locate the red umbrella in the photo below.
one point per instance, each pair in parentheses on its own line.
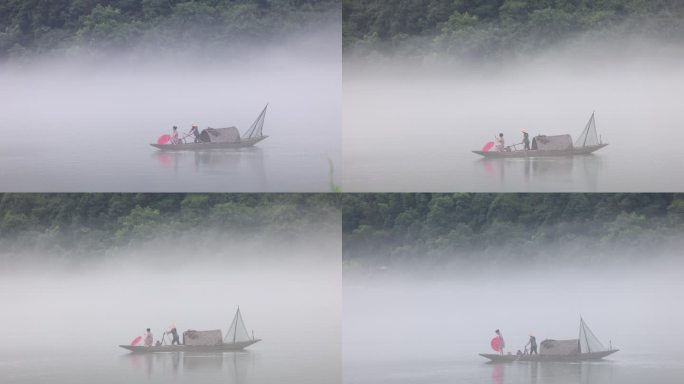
(496,343)
(137,339)
(163,139)
(488,146)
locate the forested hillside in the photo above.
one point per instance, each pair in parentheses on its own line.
(41,25)
(99,222)
(389,228)
(486,28)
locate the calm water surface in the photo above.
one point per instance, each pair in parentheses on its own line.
(623,368)
(265,363)
(276,164)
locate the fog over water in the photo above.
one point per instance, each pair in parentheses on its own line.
(63,321)
(412,126)
(401,327)
(83,123)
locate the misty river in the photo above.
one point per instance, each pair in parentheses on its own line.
(431,329)
(409,128)
(86,125)
(65,325)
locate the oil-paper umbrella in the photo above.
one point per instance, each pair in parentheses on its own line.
(136,340)
(163,139)
(496,343)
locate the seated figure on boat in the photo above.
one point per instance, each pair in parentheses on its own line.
(499,143)
(149,339)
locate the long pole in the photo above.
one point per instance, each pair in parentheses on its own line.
(237,318)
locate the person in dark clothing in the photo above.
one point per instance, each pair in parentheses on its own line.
(526,139)
(174,335)
(533,345)
(196,133)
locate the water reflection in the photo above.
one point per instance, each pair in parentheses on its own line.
(498,373)
(231,367)
(242,163)
(553,372)
(207,160)
(576,172)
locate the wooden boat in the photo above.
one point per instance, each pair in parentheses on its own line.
(220,138)
(553,146)
(541,153)
(237,338)
(585,348)
(224,347)
(248,142)
(497,358)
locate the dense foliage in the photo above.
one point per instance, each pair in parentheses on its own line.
(40,25)
(389,228)
(100,222)
(485,28)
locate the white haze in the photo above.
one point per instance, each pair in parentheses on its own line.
(84,123)
(412,127)
(422,329)
(64,321)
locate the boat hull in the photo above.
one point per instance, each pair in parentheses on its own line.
(497,358)
(204,146)
(537,153)
(190,348)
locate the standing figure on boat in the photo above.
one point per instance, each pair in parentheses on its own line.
(148,335)
(533,344)
(174,136)
(502,344)
(196,133)
(499,143)
(174,333)
(526,139)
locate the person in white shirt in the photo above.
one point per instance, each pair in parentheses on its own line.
(499,143)
(149,339)
(174,136)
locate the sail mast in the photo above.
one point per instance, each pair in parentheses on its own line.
(589,343)
(255,130)
(583,331)
(237,332)
(237,315)
(588,137)
(584,144)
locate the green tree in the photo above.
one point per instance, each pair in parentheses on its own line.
(140,223)
(106,27)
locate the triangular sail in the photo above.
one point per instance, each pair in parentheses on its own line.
(255,130)
(588,341)
(588,136)
(237,331)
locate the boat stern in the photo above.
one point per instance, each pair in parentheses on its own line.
(128,347)
(497,358)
